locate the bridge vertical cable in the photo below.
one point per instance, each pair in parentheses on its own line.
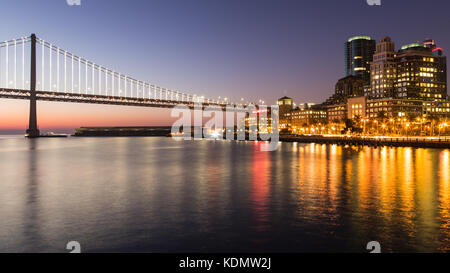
(16,68)
(92,83)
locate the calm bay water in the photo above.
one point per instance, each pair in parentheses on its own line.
(161,195)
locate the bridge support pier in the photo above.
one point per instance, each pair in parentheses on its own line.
(33,131)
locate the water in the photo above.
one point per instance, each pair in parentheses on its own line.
(160,195)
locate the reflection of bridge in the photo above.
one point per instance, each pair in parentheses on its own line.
(65,77)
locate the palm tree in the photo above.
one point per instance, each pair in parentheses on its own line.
(433,118)
(381,116)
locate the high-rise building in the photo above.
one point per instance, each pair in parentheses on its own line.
(416,71)
(359,51)
(430,43)
(383,70)
(421,74)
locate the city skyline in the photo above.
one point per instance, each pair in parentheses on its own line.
(303,76)
(227,135)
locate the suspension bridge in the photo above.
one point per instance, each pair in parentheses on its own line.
(35,69)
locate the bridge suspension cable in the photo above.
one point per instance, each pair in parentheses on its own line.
(64,74)
(101,81)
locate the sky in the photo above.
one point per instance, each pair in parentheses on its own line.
(255,49)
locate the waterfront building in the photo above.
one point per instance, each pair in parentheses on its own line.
(359,51)
(260,121)
(383,70)
(285,105)
(301,117)
(336,113)
(438,108)
(416,71)
(420,73)
(356,107)
(347,87)
(408,108)
(305,114)
(409,82)
(307,105)
(392,108)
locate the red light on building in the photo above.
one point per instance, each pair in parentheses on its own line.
(257,112)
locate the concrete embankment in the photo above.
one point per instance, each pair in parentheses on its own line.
(375,142)
(442,143)
(122,131)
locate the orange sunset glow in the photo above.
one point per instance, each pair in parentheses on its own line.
(54,115)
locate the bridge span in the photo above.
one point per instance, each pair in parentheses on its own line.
(34,69)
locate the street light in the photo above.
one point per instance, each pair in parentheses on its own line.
(442,125)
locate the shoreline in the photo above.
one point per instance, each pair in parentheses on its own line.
(413,142)
(371,141)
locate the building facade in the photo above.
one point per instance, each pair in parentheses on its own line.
(337,113)
(348,87)
(420,73)
(285,105)
(306,114)
(383,68)
(416,71)
(356,107)
(359,51)
(306,117)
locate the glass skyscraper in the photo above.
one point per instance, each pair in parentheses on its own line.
(359,52)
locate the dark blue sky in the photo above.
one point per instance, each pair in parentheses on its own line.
(236,48)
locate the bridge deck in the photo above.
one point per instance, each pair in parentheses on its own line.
(98,99)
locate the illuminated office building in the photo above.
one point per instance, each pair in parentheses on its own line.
(383,70)
(359,51)
(420,73)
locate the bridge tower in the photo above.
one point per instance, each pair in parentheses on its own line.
(33,130)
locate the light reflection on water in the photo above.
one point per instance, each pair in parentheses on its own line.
(160,195)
